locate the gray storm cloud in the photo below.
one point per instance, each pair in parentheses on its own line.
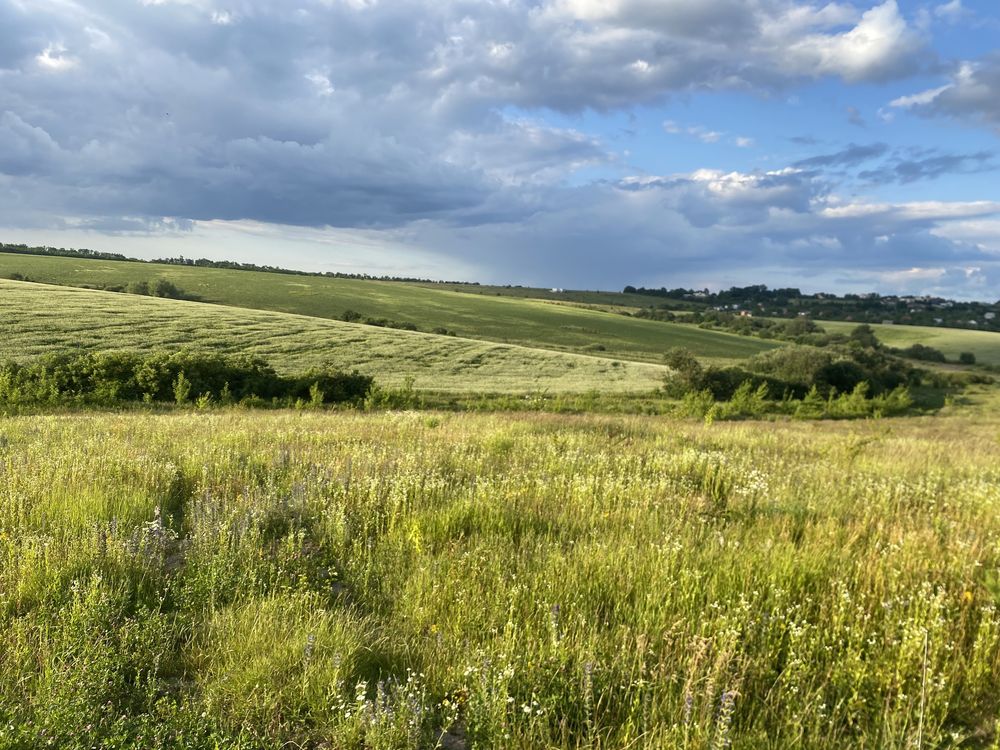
(398,116)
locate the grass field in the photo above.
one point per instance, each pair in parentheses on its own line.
(37,319)
(419,580)
(952,341)
(607,299)
(534,323)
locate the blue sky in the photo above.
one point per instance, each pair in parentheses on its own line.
(845,146)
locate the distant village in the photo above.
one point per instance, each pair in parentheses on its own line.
(864,308)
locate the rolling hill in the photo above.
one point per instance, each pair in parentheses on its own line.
(38,319)
(503,319)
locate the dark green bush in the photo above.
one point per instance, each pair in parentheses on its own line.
(921,352)
(107,378)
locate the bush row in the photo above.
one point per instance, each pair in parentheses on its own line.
(352,316)
(108,378)
(749,402)
(157,288)
(792,371)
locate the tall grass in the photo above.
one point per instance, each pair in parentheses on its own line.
(413,579)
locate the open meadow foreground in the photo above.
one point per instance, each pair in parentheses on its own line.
(499,375)
(237,579)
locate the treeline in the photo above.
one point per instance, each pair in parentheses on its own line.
(755,293)
(801,330)
(114,378)
(871,308)
(236,266)
(64,252)
(180,260)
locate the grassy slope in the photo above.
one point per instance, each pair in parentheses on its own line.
(617,299)
(952,341)
(37,319)
(570,582)
(528,322)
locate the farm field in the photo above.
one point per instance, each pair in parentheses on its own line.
(36,319)
(610,299)
(528,322)
(420,580)
(952,341)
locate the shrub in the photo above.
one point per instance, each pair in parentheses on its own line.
(686,375)
(107,378)
(921,352)
(164,288)
(967,358)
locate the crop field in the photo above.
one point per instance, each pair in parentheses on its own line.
(527,322)
(37,319)
(951,341)
(608,299)
(421,580)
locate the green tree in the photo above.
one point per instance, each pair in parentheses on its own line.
(864,335)
(182,388)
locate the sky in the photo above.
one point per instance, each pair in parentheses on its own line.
(846,146)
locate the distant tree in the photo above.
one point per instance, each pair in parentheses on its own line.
(164,288)
(864,335)
(686,371)
(967,358)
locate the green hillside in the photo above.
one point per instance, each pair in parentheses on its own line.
(951,341)
(37,319)
(528,322)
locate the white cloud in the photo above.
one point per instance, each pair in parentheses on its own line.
(321,81)
(703,134)
(951,11)
(880,46)
(223,18)
(920,99)
(972,94)
(54,58)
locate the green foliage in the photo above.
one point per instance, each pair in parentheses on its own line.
(921,352)
(810,382)
(864,335)
(403,397)
(949,341)
(181,388)
(108,378)
(967,358)
(686,373)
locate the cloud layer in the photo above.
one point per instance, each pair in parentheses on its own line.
(429,121)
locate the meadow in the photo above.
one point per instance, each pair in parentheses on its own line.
(419,580)
(37,319)
(950,341)
(503,319)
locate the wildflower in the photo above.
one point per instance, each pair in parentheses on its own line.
(724,720)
